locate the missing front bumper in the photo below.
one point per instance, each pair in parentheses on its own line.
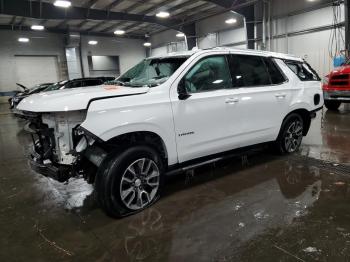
(58,173)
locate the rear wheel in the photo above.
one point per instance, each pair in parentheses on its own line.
(291,134)
(332,105)
(130,181)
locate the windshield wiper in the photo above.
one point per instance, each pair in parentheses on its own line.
(116,82)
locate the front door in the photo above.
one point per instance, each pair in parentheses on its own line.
(201,125)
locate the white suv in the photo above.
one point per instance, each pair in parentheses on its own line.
(167,114)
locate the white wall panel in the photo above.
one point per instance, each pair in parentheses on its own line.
(313,19)
(41,44)
(159,51)
(232,36)
(162,38)
(130,51)
(33,70)
(208,41)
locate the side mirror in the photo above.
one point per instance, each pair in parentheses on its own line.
(181,90)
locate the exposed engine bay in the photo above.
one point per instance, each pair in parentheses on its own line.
(55,139)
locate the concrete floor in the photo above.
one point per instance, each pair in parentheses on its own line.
(260,208)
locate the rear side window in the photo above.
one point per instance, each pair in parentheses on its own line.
(303,71)
(276,75)
(248,71)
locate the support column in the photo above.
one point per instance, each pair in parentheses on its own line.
(190,32)
(347,25)
(73,56)
(248,13)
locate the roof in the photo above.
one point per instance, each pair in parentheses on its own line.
(232,50)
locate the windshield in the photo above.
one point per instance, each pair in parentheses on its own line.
(55,86)
(150,72)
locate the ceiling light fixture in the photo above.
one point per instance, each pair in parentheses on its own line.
(180,35)
(62,3)
(163,14)
(23,40)
(231,21)
(119,32)
(147,44)
(37,27)
(93,42)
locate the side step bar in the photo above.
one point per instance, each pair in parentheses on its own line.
(187,166)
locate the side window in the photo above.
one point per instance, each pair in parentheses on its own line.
(303,71)
(248,71)
(210,73)
(277,77)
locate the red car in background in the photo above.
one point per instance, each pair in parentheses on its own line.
(336,88)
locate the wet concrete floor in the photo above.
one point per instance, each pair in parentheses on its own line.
(257,208)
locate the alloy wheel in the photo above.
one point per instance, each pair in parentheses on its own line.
(139,183)
(293,136)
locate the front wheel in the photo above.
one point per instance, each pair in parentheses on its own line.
(291,134)
(130,181)
(332,105)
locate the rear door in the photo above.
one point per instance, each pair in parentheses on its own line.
(264,98)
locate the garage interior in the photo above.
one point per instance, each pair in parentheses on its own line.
(257,206)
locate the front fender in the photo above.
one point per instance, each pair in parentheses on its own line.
(111,118)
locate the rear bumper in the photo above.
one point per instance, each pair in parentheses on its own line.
(337,95)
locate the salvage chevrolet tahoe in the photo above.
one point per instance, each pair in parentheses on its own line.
(170,113)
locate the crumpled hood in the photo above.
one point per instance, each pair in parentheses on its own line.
(74,99)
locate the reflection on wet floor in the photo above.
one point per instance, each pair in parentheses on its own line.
(259,208)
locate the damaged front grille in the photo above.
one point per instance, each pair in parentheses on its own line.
(43,141)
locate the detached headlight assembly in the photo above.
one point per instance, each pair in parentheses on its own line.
(82,145)
(85,140)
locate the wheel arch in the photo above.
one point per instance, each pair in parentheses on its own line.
(305,115)
(148,138)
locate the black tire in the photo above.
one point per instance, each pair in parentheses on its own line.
(332,105)
(114,174)
(288,134)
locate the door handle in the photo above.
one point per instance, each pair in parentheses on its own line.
(231,100)
(280,95)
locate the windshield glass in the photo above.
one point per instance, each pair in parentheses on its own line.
(55,86)
(150,72)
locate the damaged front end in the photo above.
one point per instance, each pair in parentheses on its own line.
(60,149)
